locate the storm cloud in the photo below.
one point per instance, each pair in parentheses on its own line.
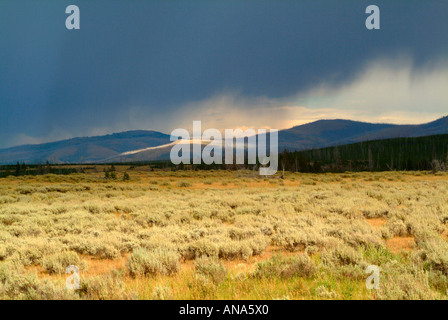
(161,64)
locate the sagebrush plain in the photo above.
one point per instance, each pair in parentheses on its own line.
(224,235)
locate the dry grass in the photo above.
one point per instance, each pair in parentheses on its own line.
(332,225)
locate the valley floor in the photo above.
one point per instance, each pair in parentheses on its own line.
(224,235)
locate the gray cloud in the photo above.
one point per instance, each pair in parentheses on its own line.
(143,65)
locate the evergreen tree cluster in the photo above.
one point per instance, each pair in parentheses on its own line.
(23,169)
(421,153)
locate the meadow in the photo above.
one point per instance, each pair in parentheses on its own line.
(224,235)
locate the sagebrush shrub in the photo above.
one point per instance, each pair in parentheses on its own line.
(327,219)
(58,263)
(14,284)
(183,184)
(434,254)
(301,266)
(200,248)
(342,256)
(212,268)
(406,286)
(108,287)
(162,293)
(202,287)
(159,261)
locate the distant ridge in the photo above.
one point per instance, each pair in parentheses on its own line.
(85,149)
(139,145)
(325,133)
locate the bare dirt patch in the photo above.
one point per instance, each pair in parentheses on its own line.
(103,266)
(398,244)
(376,223)
(95,267)
(444,234)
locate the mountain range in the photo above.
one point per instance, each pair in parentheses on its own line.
(145,145)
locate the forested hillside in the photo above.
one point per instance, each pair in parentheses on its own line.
(422,153)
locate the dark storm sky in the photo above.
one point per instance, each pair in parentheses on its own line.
(147,60)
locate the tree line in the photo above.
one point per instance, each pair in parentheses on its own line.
(420,153)
(23,169)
